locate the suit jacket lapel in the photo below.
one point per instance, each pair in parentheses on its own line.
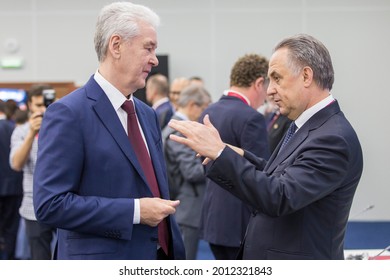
(278,158)
(110,120)
(299,137)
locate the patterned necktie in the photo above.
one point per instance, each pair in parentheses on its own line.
(145,161)
(289,134)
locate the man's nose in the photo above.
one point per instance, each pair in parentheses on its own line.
(154,61)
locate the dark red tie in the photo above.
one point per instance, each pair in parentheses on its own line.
(145,161)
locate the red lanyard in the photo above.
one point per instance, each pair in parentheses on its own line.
(230,93)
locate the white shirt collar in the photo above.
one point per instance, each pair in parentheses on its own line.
(114,95)
(306,115)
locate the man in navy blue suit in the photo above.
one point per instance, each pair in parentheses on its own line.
(157,92)
(90,182)
(302,196)
(224,216)
(11,190)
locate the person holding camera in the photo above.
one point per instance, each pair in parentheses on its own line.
(23,156)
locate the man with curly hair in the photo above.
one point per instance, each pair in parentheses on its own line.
(235,115)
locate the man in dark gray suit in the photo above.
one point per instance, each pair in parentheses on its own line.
(302,196)
(186,177)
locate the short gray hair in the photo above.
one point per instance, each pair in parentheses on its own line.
(121,18)
(305,50)
(198,94)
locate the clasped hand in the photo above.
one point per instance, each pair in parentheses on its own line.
(154,210)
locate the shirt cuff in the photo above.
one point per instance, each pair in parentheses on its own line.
(220,152)
(137,212)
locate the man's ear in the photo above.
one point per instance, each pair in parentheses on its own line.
(114,46)
(307,74)
(258,83)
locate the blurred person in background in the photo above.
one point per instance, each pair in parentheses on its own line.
(20,116)
(10,108)
(23,157)
(224,216)
(11,190)
(186,177)
(277,124)
(196,80)
(177,85)
(157,92)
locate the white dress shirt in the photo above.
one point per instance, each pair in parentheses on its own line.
(117,99)
(306,115)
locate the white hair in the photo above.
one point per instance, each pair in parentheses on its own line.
(121,18)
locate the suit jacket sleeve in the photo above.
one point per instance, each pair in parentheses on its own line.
(256,161)
(320,167)
(58,200)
